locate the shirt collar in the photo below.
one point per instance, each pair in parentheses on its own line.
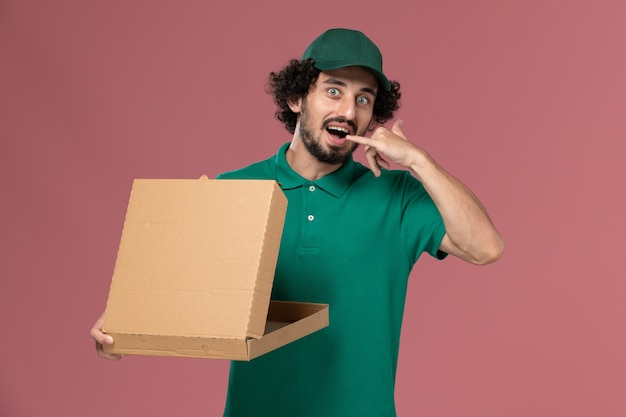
(334,183)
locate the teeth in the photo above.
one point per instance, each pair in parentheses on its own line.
(337,128)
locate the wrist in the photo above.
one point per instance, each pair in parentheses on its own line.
(420,164)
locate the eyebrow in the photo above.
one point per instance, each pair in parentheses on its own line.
(334,81)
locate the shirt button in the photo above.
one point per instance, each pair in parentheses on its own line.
(311,217)
(312,188)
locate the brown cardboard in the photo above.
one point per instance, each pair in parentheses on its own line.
(195,269)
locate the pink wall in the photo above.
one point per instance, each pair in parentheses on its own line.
(523,100)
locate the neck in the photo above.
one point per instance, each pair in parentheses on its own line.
(305,164)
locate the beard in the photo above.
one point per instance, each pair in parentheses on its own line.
(333,155)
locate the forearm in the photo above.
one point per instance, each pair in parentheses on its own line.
(470,233)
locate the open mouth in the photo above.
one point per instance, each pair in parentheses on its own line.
(337,131)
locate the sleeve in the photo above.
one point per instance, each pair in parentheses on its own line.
(421,224)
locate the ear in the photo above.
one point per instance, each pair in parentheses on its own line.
(295,104)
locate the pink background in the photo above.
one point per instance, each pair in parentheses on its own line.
(523,100)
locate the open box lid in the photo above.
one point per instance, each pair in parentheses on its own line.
(197,258)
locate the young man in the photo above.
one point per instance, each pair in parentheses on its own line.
(352,234)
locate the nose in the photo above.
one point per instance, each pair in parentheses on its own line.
(347,107)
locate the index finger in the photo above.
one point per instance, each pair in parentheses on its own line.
(361,140)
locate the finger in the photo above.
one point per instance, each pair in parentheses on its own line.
(372,161)
(374,152)
(382,162)
(97,334)
(111,356)
(396,128)
(361,140)
(376,163)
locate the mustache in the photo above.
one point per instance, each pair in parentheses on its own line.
(340,120)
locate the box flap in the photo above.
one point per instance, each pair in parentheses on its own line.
(286,322)
(185,268)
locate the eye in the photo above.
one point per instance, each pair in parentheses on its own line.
(362,100)
(333,91)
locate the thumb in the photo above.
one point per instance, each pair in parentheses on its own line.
(396,128)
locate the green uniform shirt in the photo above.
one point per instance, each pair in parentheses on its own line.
(350,240)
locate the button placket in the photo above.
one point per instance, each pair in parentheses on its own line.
(309,213)
(311,203)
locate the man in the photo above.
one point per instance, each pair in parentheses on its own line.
(352,234)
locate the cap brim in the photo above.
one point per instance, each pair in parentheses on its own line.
(329,66)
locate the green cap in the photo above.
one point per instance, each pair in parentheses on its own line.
(339,48)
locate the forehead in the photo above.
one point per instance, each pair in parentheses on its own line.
(357,77)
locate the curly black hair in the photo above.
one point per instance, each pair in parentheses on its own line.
(296,79)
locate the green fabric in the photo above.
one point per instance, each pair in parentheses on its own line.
(355,254)
(340,48)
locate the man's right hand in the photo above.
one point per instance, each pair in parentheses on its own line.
(102,338)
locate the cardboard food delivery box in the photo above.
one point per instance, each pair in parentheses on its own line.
(194,272)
